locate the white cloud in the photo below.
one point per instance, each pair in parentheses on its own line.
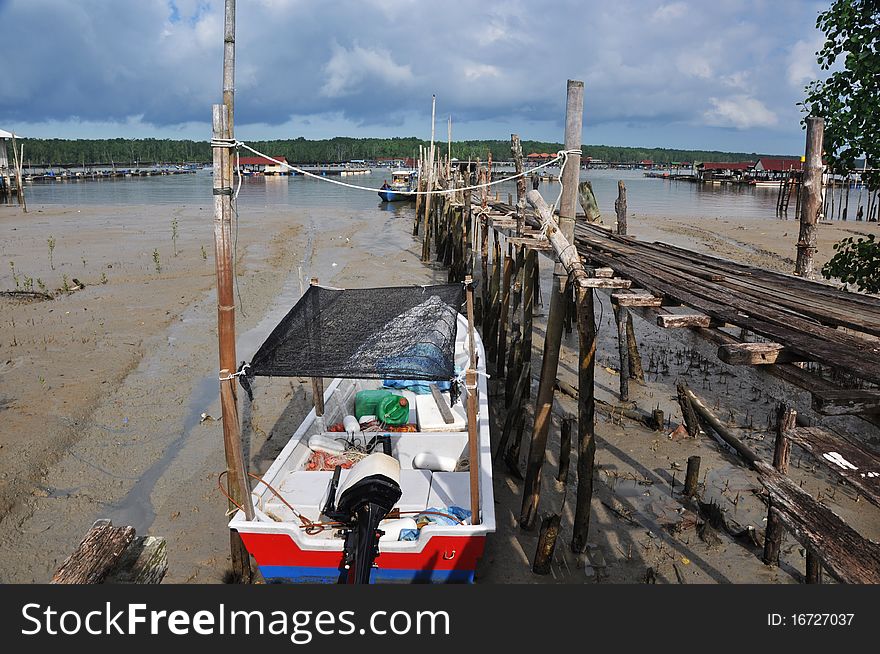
(669,12)
(348,70)
(479,71)
(740,111)
(802,66)
(693,64)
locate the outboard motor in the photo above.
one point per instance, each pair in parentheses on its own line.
(371,490)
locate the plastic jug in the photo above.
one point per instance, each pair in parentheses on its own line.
(393,410)
(367,402)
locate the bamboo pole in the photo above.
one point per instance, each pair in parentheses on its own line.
(222,121)
(471,387)
(812,201)
(553,336)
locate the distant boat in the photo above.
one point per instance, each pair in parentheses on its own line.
(403,182)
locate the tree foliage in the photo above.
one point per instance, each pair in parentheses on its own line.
(849,99)
(856,262)
(39,152)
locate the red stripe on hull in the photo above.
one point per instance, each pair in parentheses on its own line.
(439,553)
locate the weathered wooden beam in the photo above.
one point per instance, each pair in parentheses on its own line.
(756,354)
(144,562)
(846,402)
(599,282)
(849,557)
(605,273)
(856,465)
(670,320)
(444,409)
(96,555)
(643,299)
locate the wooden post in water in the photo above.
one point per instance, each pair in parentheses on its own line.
(620,207)
(553,338)
(812,200)
(222,119)
(786,419)
(18,157)
(516,148)
(426,242)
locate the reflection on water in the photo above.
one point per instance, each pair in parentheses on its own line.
(644,195)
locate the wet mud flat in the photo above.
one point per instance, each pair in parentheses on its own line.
(103,391)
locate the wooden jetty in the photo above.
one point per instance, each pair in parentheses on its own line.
(787,326)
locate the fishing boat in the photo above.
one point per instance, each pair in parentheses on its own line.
(403,182)
(388,478)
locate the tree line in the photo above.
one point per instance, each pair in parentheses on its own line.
(49,152)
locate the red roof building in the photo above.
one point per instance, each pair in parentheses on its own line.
(778,165)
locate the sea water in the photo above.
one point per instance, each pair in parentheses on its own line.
(645,196)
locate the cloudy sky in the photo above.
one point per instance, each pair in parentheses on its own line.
(717,74)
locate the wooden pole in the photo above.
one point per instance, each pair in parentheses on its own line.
(426,243)
(317,382)
(812,201)
(564,449)
(814,568)
(635,359)
(18,157)
(692,476)
(222,121)
(786,419)
(621,314)
(471,387)
(586,419)
(620,207)
(516,148)
(546,544)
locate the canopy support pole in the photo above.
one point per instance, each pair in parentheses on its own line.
(471,387)
(318,382)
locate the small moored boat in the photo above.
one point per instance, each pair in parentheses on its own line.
(403,182)
(389,477)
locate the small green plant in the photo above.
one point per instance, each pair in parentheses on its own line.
(14,274)
(42,286)
(204,254)
(174,235)
(157,261)
(28,283)
(65,286)
(84,262)
(103,278)
(51,242)
(857,262)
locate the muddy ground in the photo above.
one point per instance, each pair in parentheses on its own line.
(102,390)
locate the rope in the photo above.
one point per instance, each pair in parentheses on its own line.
(233,375)
(561,155)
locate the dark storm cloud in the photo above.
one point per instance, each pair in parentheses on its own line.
(710,66)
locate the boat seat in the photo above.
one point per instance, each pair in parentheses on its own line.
(430,419)
(450,488)
(307,491)
(406,446)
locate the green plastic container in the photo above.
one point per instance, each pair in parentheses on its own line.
(393,410)
(366,403)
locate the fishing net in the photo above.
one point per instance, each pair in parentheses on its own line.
(404,332)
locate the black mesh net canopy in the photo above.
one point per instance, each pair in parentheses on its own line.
(402,332)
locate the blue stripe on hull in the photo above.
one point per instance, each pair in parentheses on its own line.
(285,574)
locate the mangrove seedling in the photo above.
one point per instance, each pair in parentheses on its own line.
(64,285)
(174,236)
(103,278)
(204,254)
(156,260)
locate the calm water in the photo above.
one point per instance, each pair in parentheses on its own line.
(644,195)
